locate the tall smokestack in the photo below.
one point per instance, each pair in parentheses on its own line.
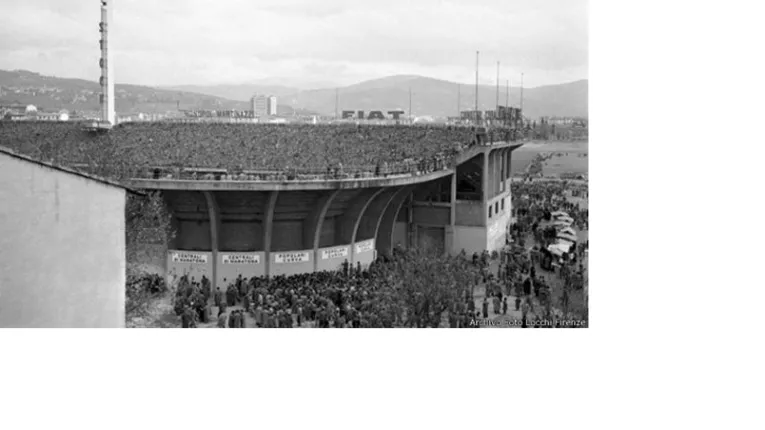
(107,70)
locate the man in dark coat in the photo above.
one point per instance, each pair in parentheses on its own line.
(218,297)
(485,308)
(527,286)
(232,319)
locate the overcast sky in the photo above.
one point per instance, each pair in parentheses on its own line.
(173,42)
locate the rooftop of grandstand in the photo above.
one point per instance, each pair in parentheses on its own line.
(77,172)
(259,152)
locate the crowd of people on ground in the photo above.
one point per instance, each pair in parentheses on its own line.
(368,298)
(534,203)
(352,297)
(252,151)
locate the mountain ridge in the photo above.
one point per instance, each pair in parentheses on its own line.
(430,96)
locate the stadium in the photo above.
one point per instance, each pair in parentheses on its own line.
(359,221)
(269,200)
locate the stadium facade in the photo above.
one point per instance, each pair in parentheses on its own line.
(262,228)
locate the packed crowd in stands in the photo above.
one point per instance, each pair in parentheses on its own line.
(252,152)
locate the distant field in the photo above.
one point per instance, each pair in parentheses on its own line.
(556,165)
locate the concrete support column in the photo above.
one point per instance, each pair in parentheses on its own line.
(346,229)
(411,226)
(485,184)
(314,223)
(268,228)
(498,171)
(453,208)
(214,214)
(357,220)
(502,170)
(384,234)
(507,160)
(370,219)
(449,230)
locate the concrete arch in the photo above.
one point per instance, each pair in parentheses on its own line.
(384,230)
(213,212)
(268,227)
(349,223)
(315,222)
(358,219)
(370,219)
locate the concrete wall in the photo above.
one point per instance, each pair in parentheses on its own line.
(470,213)
(364,252)
(193,235)
(192,263)
(495,234)
(287,235)
(433,215)
(332,258)
(291,263)
(328,232)
(471,239)
(399,235)
(240,236)
(62,248)
(232,264)
(431,238)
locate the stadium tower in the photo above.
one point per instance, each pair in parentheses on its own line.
(107,75)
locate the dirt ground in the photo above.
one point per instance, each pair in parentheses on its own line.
(573,162)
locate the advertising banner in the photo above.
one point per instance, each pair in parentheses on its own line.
(338,252)
(292,257)
(189,257)
(365,246)
(240,259)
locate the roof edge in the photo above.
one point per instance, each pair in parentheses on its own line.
(102,180)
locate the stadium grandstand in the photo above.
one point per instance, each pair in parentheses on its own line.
(265,200)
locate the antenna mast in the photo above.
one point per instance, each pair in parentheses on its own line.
(476,85)
(497,107)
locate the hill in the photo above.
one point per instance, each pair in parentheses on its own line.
(430,97)
(436,97)
(241,92)
(21,87)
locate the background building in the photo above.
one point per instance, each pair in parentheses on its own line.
(263,105)
(62,247)
(271,106)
